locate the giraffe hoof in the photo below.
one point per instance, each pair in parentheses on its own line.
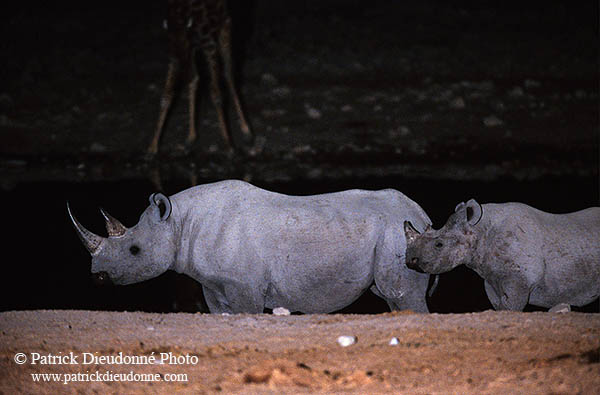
(182,149)
(248,139)
(149,156)
(230,152)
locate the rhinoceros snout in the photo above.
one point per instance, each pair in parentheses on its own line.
(414,264)
(101,278)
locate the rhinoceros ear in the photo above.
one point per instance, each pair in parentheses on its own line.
(161,207)
(474,212)
(410,232)
(459,206)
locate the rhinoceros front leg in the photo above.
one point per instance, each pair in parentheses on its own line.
(391,303)
(234,298)
(402,289)
(510,294)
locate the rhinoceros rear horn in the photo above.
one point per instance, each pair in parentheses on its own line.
(162,206)
(90,240)
(113,226)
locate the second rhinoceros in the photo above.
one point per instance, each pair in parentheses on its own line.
(251,248)
(524,255)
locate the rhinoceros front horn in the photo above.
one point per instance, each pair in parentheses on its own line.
(90,240)
(113,226)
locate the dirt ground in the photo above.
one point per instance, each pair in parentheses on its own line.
(488,352)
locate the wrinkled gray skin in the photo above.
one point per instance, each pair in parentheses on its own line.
(524,255)
(251,248)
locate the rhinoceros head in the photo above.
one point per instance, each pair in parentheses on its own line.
(131,255)
(439,251)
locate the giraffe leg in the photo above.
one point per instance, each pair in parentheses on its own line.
(215,92)
(192,91)
(225,48)
(165,103)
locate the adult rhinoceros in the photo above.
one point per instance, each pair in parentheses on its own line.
(251,248)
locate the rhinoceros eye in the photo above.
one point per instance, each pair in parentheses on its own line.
(134,250)
(439,244)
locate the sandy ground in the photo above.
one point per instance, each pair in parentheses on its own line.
(488,352)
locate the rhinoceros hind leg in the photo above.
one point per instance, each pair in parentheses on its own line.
(215,301)
(245,299)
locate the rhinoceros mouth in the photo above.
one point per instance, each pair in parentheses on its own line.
(414,265)
(101,278)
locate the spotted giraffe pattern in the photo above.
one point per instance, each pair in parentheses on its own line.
(203,25)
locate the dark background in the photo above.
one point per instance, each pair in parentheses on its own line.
(444,101)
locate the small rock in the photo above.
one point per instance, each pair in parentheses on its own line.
(560,308)
(281,311)
(302,149)
(15,163)
(315,173)
(97,148)
(486,85)
(515,92)
(368,99)
(281,91)
(346,341)
(272,113)
(492,121)
(103,116)
(313,113)
(580,94)
(346,108)
(532,83)
(394,341)
(6,100)
(358,66)
(458,103)
(268,78)
(150,328)
(404,131)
